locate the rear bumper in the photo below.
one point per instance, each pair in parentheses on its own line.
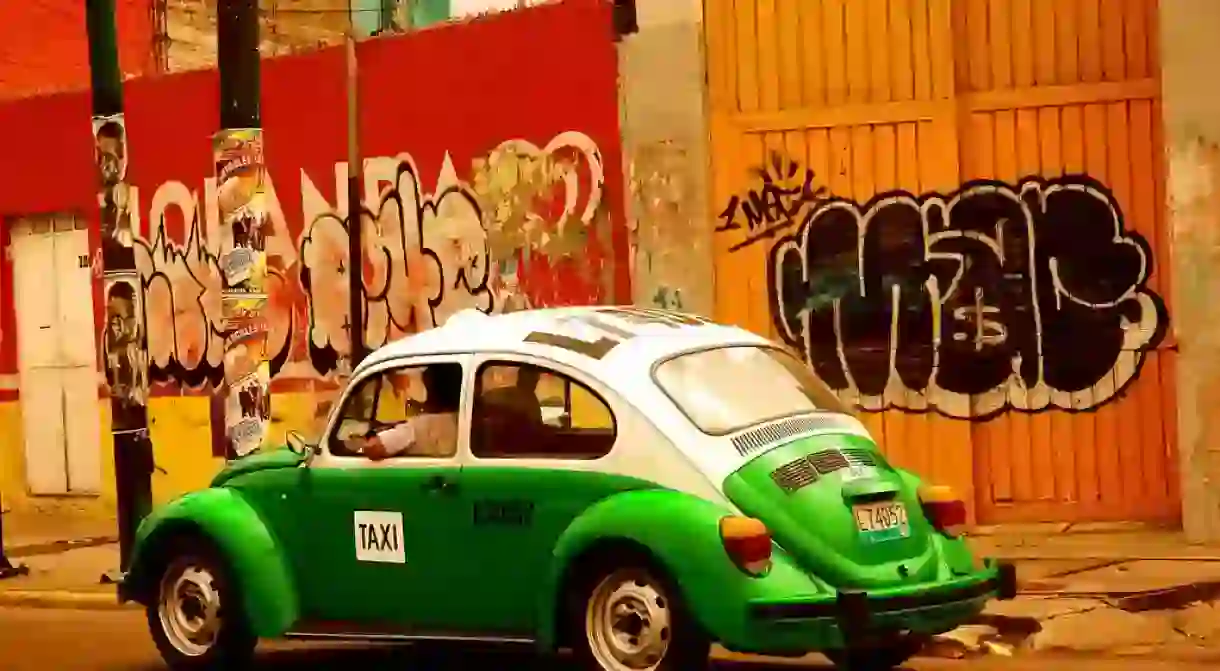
(998,582)
(855,618)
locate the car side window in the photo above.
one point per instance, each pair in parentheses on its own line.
(525,411)
(391,398)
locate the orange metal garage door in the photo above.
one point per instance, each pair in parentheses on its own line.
(955,211)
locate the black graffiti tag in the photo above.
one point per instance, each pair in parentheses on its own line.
(995,297)
(773,207)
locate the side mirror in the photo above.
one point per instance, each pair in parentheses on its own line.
(298,444)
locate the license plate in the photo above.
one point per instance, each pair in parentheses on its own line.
(882,521)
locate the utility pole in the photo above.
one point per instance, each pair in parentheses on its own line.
(237,150)
(355,232)
(124,336)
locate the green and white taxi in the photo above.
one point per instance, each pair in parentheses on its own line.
(630,484)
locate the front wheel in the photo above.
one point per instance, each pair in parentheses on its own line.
(196,620)
(635,620)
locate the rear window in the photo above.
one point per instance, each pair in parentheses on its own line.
(728,389)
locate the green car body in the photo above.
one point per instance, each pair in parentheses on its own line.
(495,551)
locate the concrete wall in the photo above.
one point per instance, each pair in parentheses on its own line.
(287,26)
(1189,51)
(665,146)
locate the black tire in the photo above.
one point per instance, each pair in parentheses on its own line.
(884,658)
(687,646)
(232,646)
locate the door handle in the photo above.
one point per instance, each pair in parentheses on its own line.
(439,484)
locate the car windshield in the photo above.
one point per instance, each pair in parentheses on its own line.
(727,389)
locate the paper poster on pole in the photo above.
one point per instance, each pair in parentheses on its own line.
(240,183)
(114,200)
(124,351)
(246,328)
(243,258)
(248,410)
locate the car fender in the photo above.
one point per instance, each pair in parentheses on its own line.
(223,516)
(681,532)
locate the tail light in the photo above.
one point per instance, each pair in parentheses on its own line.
(748,543)
(944,509)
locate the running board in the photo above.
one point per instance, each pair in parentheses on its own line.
(357,636)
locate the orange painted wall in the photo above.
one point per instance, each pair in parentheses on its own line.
(920,96)
(43,46)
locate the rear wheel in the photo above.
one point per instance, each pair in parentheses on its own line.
(633,619)
(196,620)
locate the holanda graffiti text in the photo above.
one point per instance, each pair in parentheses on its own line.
(429,251)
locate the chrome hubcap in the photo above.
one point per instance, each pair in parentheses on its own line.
(628,622)
(189,609)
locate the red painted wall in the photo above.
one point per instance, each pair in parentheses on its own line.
(457,90)
(43,47)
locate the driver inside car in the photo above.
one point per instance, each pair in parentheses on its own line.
(432,432)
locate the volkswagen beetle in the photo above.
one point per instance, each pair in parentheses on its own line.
(631,484)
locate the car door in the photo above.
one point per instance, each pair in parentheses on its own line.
(537,436)
(376,544)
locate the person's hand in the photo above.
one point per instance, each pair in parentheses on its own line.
(374,449)
(354,445)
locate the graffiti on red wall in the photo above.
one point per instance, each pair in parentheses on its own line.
(497,191)
(432,252)
(429,251)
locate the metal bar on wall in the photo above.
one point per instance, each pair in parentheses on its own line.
(354,205)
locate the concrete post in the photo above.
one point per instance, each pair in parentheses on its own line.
(1190,48)
(240,188)
(124,337)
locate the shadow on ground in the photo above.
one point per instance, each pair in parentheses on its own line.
(437,658)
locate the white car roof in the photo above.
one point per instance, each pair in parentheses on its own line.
(474,332)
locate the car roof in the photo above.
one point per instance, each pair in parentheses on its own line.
(472,331)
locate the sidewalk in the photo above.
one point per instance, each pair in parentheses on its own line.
(1129,592)
(34,532)
(66,551)
(64,579)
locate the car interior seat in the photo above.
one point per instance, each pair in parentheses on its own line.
(510,422)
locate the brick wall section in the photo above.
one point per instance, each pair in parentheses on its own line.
(286,26)
(43,47)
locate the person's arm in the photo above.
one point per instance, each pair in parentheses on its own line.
(390,442)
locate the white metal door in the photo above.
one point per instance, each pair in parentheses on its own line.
(78,350)
(57,366)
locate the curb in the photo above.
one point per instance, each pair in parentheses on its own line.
(62,599)
(1171,598)
(59,547)
(1167,598)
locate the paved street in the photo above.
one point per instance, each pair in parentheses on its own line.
(36,639)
